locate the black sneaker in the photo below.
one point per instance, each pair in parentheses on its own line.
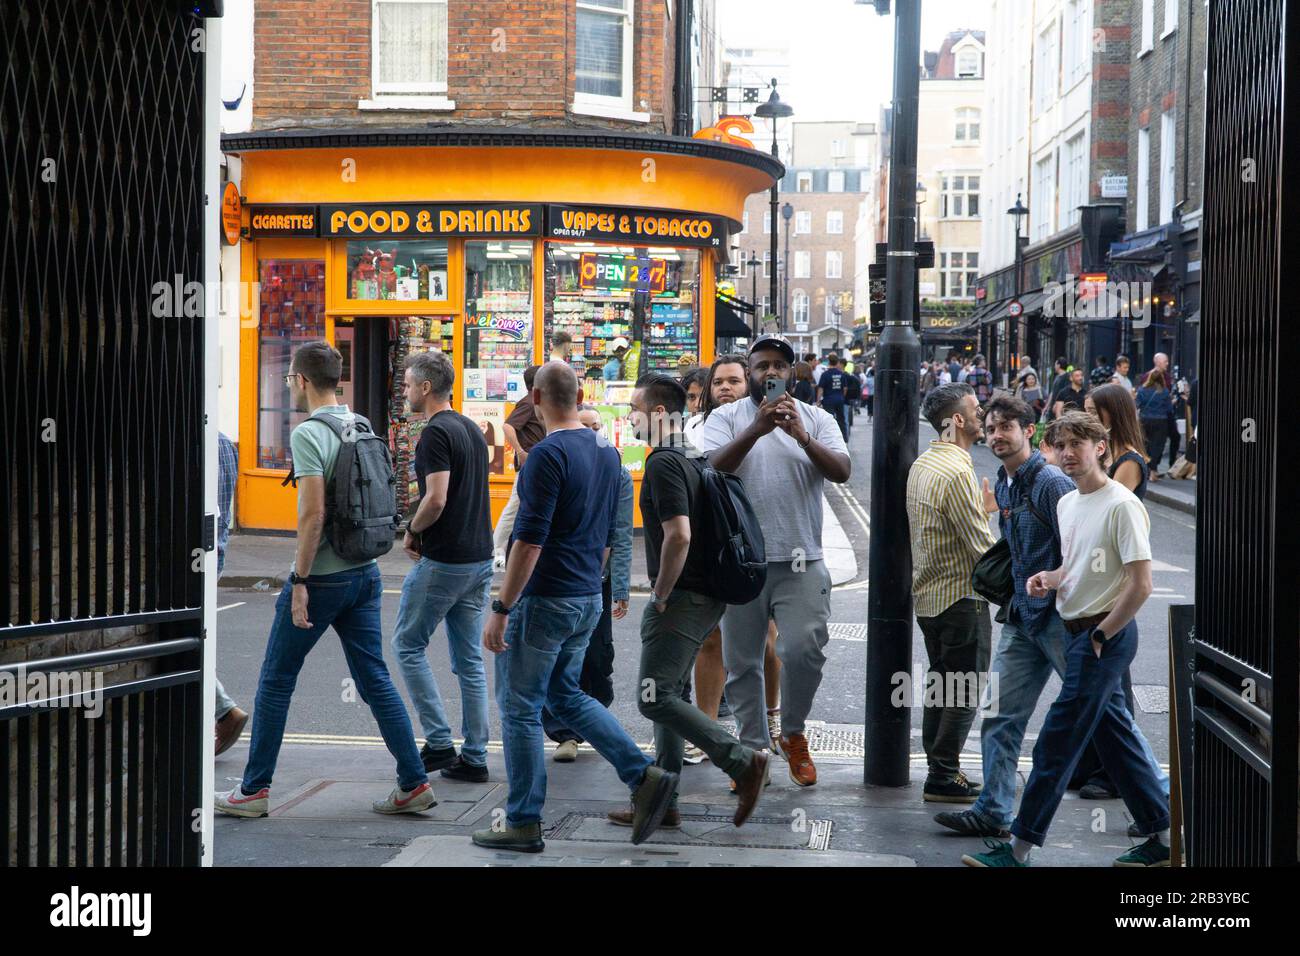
(957,790)
(437,759)
(971,823)
(1097,789)
(470,773)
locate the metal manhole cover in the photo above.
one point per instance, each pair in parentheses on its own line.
(1152,698)
(836,740)
(847,632)
(710,829)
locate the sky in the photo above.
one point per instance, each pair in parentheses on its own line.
(841,53)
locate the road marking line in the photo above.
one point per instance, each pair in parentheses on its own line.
(229,606)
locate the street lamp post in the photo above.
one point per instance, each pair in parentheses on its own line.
(1018,212)
(773,110)
(787,213)
(887,760)
(753,262)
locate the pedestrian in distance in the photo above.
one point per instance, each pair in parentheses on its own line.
(597,677)
(682,609)
(1102,582)
(449,537)
(950,533)
(1154,407)
(327,588)
(547,607)
(784,451)
(831,388)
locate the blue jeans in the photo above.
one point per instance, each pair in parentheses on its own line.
(457,593)
(1092,706)
(547,638)
(348,600)
(1023,661)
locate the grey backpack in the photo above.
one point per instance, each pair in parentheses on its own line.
(361,518)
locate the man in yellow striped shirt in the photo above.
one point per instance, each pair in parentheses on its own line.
(950,532)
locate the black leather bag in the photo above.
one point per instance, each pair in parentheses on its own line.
(992,579)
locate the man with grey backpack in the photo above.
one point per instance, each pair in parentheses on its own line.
(347,517)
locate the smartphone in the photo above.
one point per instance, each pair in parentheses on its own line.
(774,388)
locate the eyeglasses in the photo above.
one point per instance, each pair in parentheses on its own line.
(288,379)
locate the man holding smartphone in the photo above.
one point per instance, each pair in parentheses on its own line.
(784,450)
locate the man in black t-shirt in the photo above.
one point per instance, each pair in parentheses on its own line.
(450,539)
(1069,394)
(830,392)
(682,610)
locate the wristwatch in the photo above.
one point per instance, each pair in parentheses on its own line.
(1097,635)
(499,608)
(804,446)
(295,578)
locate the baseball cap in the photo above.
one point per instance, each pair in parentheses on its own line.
(619,343)
(778,342)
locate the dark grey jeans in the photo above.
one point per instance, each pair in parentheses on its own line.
(958,643)
(669,643)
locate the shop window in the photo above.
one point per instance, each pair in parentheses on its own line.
(604,52)
(409,46)
(291,312)
(398,270)
(498,337)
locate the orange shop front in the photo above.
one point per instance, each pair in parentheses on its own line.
(483,252)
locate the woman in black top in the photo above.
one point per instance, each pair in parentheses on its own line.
(805,389)
(1126,463)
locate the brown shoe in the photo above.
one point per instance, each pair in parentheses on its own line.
(795,749)
(229,729)
(750,786)
(623,818)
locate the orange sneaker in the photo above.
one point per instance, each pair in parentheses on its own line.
(795,750)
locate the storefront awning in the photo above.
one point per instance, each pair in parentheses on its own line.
(727,323)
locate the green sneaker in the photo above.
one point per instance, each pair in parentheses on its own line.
(524,839)
(999,855)
(650,801)
(1151,853)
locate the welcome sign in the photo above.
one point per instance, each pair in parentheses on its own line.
(487,321)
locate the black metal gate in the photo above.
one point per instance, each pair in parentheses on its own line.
(1241,799)
(101,430)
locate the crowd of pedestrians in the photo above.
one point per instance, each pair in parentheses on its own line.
(1070,515)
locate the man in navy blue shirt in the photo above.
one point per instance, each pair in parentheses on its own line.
(547,608)
(830,392)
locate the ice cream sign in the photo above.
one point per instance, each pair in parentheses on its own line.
(514,328)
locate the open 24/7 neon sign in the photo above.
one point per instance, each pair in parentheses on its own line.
(622,273)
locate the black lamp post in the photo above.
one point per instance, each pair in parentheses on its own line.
(787,213)
(753,262)
(774,110)
(1018,212)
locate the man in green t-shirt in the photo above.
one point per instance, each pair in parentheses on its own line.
(323,590)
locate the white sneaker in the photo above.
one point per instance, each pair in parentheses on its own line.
(404,801)
(774,729)
(237,804)
(566,752)
(693,755)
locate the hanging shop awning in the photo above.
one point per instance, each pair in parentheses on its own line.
(727,323)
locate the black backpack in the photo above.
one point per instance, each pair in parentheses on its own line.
(733,538)
(361,516)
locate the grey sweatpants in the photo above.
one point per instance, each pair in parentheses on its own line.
(800,603)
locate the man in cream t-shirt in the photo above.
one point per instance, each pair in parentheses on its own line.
(1103,580)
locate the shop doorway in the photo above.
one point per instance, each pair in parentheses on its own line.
(366,383)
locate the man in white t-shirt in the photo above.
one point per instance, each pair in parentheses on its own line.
(1103,580)
(784,450)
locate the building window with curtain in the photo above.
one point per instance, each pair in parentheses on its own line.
(968,125)
(409,47)
(803,264)
(603,72)
(957,272)
(799,307)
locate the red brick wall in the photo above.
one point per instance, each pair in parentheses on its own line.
(312,65)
